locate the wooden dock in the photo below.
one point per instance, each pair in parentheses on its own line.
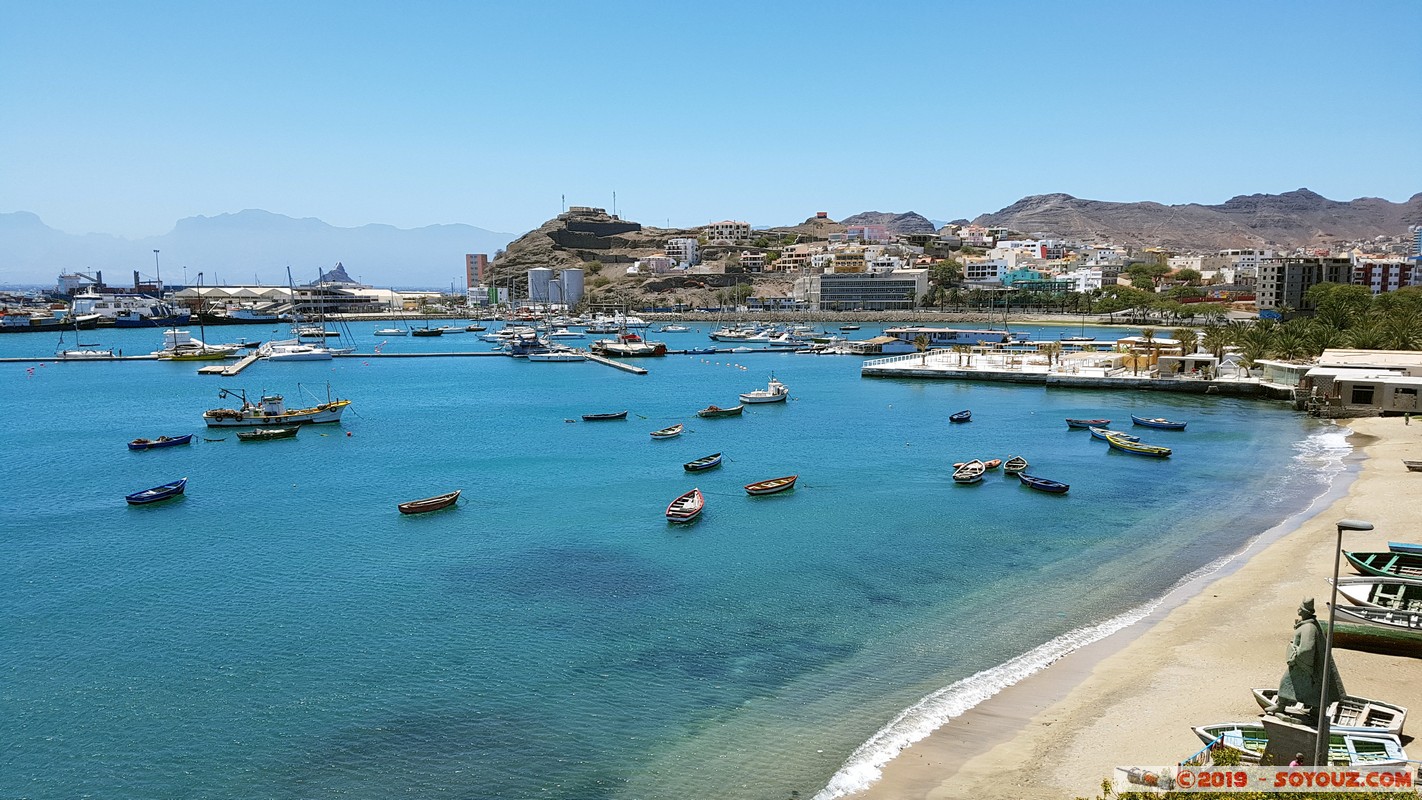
(616,364)
(230,370)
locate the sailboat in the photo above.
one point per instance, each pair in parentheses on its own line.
(294,349)
(81,350)
(181,346)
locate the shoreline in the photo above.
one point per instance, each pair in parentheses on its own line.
(1131,697)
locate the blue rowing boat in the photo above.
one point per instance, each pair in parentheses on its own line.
(705,462)
(157,493)
(1042,484)
(161,441)
(1160,423)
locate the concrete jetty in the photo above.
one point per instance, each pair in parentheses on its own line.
(1021,368)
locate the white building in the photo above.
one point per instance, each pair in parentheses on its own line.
(752,261)
(1246,262)
(657,264)
(685,251)
(728,231)
(1085,279)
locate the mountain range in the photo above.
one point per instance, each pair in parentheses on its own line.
(241,247)
(255,244)
(1300,218)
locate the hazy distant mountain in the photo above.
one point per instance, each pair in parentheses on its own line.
(1277,221)
(233,248)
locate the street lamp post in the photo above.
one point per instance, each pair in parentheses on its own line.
(1320,747)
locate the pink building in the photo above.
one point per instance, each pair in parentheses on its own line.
(475,264)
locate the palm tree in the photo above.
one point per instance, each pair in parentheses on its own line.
(1148,334)
(1404,330)
(1052,350)
(1215,340)
(1189,340)
(920,342)
(1291,343)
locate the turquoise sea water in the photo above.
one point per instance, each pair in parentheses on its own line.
(282,632)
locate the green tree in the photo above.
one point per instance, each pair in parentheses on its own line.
(1189,339)
(1188,276)
(1215,340)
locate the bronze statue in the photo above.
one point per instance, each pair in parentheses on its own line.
(1303,680)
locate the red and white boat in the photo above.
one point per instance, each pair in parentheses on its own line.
(687,507)
(772,486)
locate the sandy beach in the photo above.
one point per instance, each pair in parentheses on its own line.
(1132,697)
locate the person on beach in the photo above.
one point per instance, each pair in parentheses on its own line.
(1303,680)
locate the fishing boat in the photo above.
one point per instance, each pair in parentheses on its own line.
(772,486)
(1249,739)
(970,472)
(992,463)
(961,416)
(1104,433)
(703,463)
(717,411)
(268,434)
(667,433)
(1042,484)
(1387,564)
(1384,630)
(1351,714)
(1014,465)
(1412,466)
(686,507)
(1405,547)
(1087,423)
(271,411)
(157,493)
(774,392)
(628,345)
(1159,423)
(1137,448)
(430,503)
(1371,591)
(604,417)
(161,441)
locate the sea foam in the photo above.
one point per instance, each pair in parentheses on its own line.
(1325,451)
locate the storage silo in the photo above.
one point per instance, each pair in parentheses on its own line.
(572,280)
(538,279)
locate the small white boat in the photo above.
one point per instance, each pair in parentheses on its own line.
(564,333)
(294,350)
(667,433)
(1249,739)
(674,329)
(391,332)
(1353,714)
(774,392)
(970,472)
(557,355)
(1372,591)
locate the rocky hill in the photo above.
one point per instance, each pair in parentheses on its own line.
(1278,221)
(907,222)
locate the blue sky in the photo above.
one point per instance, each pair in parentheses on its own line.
(125,117)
